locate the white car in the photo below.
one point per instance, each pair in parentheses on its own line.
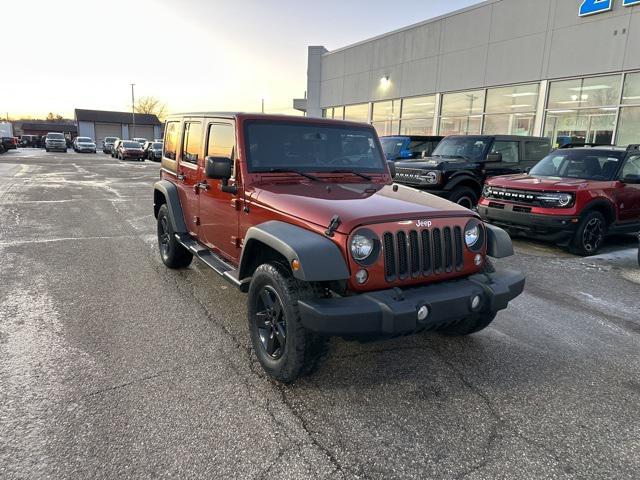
(84,144)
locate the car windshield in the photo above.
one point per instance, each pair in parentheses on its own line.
(130,144)
(157,145)
(110,139)
(312,148)
(84,140)
(55,136)
(469,148)
(584,164)
(392,145)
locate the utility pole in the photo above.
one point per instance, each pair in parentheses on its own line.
(133,111)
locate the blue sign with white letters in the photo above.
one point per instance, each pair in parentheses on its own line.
(591,7)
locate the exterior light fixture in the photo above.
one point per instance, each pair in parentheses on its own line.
(385,81)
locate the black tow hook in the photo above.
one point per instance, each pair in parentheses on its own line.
(333,226)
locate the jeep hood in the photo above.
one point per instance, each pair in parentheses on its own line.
(528,182)
(355,203)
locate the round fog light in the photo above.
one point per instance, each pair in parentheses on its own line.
(476,303)
(423,312)
(478,260)
(362,276)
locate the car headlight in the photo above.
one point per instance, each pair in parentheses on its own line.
(561,200)
(364,247)
(432,178)
(474,235)
(487,191)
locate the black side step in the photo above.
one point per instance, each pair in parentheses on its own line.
(213,261)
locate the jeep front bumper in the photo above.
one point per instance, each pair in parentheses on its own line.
(395,311)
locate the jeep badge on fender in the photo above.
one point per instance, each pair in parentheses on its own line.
(302,215)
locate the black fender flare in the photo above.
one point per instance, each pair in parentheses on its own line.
(462,178)
(320,258)
(170,193)
(600,204)
(499,244)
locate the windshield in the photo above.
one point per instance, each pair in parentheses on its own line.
(157,146)
(583,164)
(130,144)
(312,148)
(55,136)
(392,146)
(470,148)
(84,140)
(110,139)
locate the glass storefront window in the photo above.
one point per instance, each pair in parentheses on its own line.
(338,113)
(580,126)
(629,126)
(385,111)
(521,98)
(419,107)
(356,113)
(514,124)
(464,103)
(327,113)
(460,125)
(585,92)
(386,128)
(416,126)
(631,92)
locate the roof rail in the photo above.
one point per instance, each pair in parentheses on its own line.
(634,147)
(579,145)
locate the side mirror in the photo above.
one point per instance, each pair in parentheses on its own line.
(494,157)
(392,169)
(219,168)
(631,179)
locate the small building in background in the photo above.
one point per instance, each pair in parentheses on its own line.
(99,124)
(41,128)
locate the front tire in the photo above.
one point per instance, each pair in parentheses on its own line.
(173,254)
(590,235)
(469,325)
(464,196)
(285,349)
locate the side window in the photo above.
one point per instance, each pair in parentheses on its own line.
(171,140)
(192,142)
(509,151)
(221,141)
(536,151)
(631,167)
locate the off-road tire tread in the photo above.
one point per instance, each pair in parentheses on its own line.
(179,257)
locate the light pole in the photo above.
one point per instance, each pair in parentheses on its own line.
(133,111)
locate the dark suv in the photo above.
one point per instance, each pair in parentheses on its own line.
(573,197)
(460,164)
(301,213)
(403,147)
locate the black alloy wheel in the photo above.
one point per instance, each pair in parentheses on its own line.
(164,236)
(593,234)
(271,322)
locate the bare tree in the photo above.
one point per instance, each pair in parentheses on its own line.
(151,105)
(54,116)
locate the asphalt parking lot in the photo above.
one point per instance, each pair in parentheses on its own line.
(112,366)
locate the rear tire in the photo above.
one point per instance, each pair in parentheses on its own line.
(469,325)
(173,254)
(464,196)
(285,349)
(590,235)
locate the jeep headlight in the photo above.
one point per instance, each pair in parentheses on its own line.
(432,178)
(474,235)
(364,247)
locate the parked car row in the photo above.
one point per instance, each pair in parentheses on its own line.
(573,196)
(8,143)
(138,148)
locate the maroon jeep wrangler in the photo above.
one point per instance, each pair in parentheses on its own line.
(302,214)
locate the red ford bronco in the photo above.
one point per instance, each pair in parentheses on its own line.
(302,214)
(574,197)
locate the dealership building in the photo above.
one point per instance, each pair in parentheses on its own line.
(565,69)
(99,124)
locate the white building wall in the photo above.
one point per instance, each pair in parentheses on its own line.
(87,129)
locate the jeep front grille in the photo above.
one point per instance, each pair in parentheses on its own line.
(422,252)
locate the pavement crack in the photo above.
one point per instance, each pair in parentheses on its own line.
(131,382)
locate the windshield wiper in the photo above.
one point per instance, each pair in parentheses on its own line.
(284,170)
(361,175)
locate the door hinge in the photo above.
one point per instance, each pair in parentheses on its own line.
(235,203)
(236,241)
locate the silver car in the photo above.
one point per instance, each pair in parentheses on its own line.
(55,141)
(84,144)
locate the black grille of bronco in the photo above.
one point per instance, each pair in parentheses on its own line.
(422,252)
